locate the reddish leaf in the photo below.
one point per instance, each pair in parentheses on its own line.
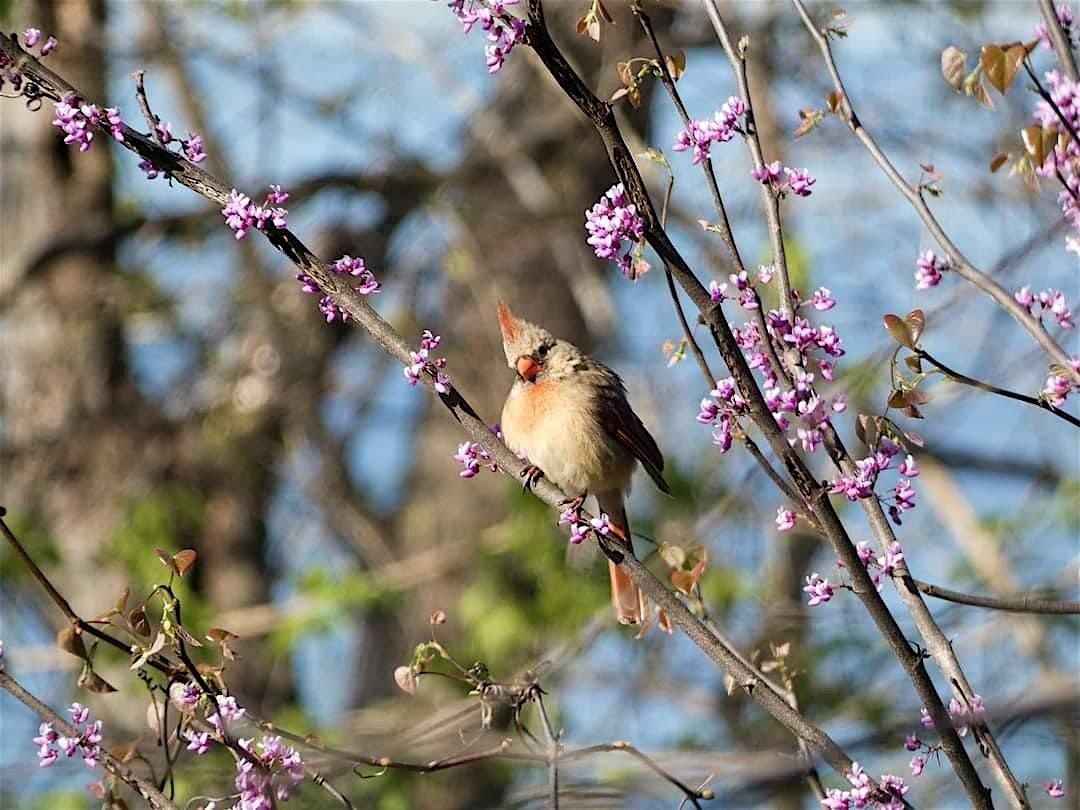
(916,322)
(898,399)
(138,621)
(582,25)
(184,559)
(92,682)
(604,12)
(166,559)
(676,64)
(997,161)
(69,639)
(914,363)
(917,397)
(1001,64)
(833,99)
(899,330)
(218,635)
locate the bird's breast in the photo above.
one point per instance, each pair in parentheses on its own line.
(554,424)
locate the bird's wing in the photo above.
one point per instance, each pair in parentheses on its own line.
(623,424)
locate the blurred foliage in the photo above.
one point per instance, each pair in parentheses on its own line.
(37,542)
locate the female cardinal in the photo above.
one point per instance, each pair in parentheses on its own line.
(569,416)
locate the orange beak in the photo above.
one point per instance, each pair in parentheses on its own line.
(528,368)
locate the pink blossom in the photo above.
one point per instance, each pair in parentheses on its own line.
(785,519)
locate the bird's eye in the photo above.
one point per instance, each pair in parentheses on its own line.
(542,351)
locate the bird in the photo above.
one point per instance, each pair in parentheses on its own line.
(569,416)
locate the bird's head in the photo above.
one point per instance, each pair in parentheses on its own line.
(531,351)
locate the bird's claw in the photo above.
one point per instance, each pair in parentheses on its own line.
(572,504)
(529,476)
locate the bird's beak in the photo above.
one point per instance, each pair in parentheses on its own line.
(528,368)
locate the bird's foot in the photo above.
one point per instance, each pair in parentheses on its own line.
(529,476)
(572,504)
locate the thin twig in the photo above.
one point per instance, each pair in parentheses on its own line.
(553,749)
(993,389)
(144,106)
(960,263)
(769,196)
(154,797)
(666,79)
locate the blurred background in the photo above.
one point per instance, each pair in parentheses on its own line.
(165,386)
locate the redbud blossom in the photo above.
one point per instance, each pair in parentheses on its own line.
(610,222)
(785,519)
(818,589)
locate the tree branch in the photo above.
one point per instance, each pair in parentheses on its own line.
(1020,603)
(1060,42)
(993,389)
(154,797)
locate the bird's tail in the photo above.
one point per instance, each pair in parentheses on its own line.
(627,598)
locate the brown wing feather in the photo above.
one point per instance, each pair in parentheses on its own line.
(622,423)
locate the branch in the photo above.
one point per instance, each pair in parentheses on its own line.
(960,263)
(769,197)
(1021,603)
(154,797)
(993,389)
(1057,36)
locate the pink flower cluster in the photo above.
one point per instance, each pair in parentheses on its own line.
(78,121)
(1059,385)
(722,409)
(504,30)
(785,519)
(1052,301)
(579,527)
(87,740)
(721,128)
(1063,159)
(784,180)
(345,266)
(191,147)
(420,363)
(929,269)
(1065,17)
(241,214)
(962,717)
(613,220)
(32,36)
(862,790)
(799,401)
(472,456)
(861,483)
(271,773)
(279,770)
(820,590)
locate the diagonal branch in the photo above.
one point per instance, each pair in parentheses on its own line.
(154,797)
